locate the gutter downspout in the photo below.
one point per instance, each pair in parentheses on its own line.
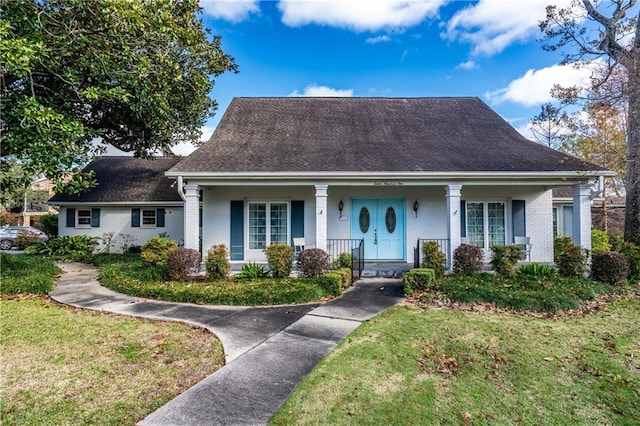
(596,193)
(181,188)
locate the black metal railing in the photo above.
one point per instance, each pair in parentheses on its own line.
(443,244)
(337,246)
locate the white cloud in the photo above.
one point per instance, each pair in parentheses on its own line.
(315,90)
(359,15)
(378,39)
(492,25)
(186,148)
(230,10)
(534,87)
(469,65)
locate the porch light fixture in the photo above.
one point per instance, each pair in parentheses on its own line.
(416,206)
(340,207)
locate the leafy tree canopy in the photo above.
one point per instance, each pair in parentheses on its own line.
(136,74)
(607,33)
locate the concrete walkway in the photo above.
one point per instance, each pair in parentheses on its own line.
(269,350)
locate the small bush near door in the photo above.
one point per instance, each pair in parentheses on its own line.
(571,262)
(217,262)
(280,259)
(418,279)
(467,260)
(313,262)
(183,263)
(505,258)
(433,258)
(156,250)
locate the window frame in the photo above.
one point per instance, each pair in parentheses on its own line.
(154,217)
(267,225)
(486,232)
(78,217)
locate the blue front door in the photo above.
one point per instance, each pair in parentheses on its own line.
(380,222)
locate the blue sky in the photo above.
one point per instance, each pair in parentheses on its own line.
(486,48)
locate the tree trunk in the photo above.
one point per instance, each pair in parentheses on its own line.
(632,215)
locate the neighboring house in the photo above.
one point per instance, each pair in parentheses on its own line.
(386,172)
(611,211)
(134,200)
(29,211)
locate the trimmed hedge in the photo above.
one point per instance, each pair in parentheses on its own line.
(418,279)
(331,281)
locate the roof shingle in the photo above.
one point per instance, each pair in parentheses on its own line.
(370,135)
(127,179)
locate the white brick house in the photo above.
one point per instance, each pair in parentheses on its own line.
(382,173)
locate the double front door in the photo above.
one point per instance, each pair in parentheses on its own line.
(380,222)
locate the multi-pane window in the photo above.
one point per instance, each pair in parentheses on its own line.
(486,225)
(268,224)
(83,218)
(149,218)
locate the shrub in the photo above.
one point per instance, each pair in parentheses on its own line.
(599,241)
(280,259)
(49,225)
(571,262)
(343,261)
(559,244)
(609,267)
(77,248)
(632,252)
(217,262)
(156,250)
(346,276)
(418,279)
(537,270)
(433,258)
(250,272)
(107,241)
(183,263)
(467,259)
(331,281)
(25,239)
(313,262)
(504,259)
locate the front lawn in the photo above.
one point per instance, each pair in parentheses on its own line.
(64,365)
(445,366)
(129,274)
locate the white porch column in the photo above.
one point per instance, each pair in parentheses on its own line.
(192,216)
(321,216)
(453,222)
(581,231)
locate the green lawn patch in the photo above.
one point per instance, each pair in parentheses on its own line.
(522,292)
(68,366)
(26,274)
(444,366)
(129,274)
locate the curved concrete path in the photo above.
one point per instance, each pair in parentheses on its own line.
(269,350)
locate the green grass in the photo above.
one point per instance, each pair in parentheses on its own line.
(443,366)
(522,292)
(20,274)
(131,275)
(68,366)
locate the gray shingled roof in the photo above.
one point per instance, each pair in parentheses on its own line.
(127,179)
(370,135)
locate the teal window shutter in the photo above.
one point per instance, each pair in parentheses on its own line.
(518,218)
(160,218)
(463,218)
(95,218)
(297,219)
(71,218)
(135,218)
(237,230)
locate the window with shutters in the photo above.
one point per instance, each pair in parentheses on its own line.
(148,218)
(268,224)
(486,223)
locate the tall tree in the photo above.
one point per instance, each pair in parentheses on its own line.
(597,135)
(135,74)
(548,126)
(608,32)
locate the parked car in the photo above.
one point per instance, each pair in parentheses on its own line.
(9,234)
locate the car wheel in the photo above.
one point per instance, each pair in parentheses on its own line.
(5,245)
